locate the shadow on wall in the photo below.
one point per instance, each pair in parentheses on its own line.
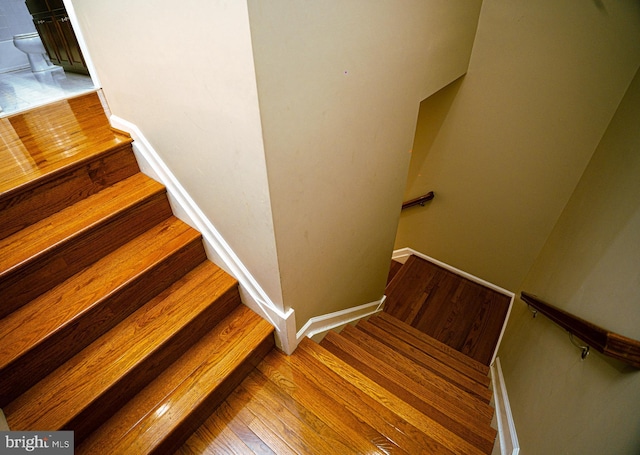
(433,112)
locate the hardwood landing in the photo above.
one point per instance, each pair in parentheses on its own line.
(352,394)
(454,310)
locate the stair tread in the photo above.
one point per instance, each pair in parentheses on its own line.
(428,426)
(28,328)
(435,350)
(34,201)
(440,367)
(442,389)
(155,412)
(469,425)
(41,142)
(38,238)
(64,393)
(48,252)
(362,420)
(426,339)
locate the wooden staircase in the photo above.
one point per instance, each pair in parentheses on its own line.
(398,391)
(113,323)
(381,386)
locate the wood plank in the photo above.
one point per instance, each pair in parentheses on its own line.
(279,403)
(300,436)
(426,339)
(393,270)
(165,427)
(436,385)
(48,252)
(381,329)
(275,441)
(214,440)
(422,355)
(40,142)
(42,335)
(243,432)
(81,393)
(469,426)
(484,333)
(186,392)
(438,309)
(407,287)
(39,199)
(369,427)
(433,429)
(450,308)
(212,347)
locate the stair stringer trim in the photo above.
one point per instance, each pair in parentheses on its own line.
(507,437)
(403,254)
(218,250)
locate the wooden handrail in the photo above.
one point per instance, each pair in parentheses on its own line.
(419,200)
(608,343)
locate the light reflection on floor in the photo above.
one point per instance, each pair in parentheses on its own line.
(21,90)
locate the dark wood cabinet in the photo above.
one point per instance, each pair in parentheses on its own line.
(54,27)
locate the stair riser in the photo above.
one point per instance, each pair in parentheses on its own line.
(32,278)
(148,369)
(176,438)
(58,347)
(32,202)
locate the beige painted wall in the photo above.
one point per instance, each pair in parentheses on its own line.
(339,85)
(590,266)
(183,73)
(504,148)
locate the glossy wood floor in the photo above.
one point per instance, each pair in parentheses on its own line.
(113,324)
(379,387)
(354,394)
(454,310)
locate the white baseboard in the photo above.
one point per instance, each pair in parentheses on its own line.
(329,321)
(403,254)
(507,437)
(218,251)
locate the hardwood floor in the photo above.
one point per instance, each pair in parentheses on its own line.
(456,311)
(320,401)
(114,325)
